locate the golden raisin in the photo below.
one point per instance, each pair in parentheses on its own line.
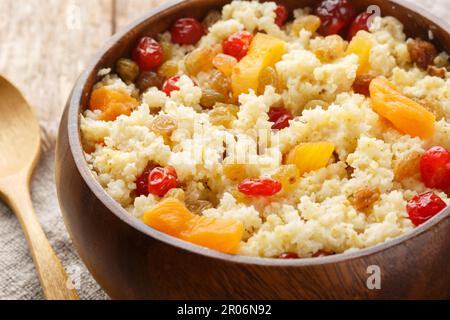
(149,79)
(362,84)
(210,98)
(225,63)
(365,198)
(177,194)
(167,50)
(200,60)
(199,206)
(309,23)
(268,77)
(164,125)
(422,52)
(223,115)
(220,83)
(168,70)
(127,69)
(408,167)
(437,72)
(329,48)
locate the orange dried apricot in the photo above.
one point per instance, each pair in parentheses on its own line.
(405,114)
(223,235)
(112,103)
(173,218)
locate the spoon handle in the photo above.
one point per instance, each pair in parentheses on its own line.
(51,273)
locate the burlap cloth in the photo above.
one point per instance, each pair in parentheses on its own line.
(18,278)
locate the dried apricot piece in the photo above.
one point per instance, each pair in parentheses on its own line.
(169,216)
(223,235)
(311,156)
(112,103)
(405,114)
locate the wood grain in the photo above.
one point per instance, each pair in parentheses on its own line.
(128,10)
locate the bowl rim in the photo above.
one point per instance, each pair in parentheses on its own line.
(75,147)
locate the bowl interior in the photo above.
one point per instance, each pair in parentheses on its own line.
(159,20)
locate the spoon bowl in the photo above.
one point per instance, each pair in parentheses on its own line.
(19,153)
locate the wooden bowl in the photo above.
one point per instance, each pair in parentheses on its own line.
(132,261)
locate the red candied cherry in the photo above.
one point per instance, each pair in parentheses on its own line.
(288,256)
(142,184)
(187,31)
(171,85)
(282,15)
(435,168)
(335,15)
(148,54)
(360,23)
(162,180)
(423,207)
(260,187)
(281,117)
(238,44)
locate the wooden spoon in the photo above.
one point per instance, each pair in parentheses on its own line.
(19,152)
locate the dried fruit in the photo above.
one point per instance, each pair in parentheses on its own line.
(162,180)
(408,167)
(361,45)
(236,172)
(148,54)
(329,48)
(164,125)
(142,184)
(187,31)
(173,218)
(280,116)
(435,168)
(127,69)
(405,114)
(199,206)
(264,52)
(289,176)
(149,79)
(171,85)
(201,59)
(223,235)
(424,206)
(169,216)
(422,52)
(437,72)
(225,63)
(177,194)
(223,115)
(210,98)
(112,103)
(309,23)
(335,15)
(238,44)
(311,156)
(288,256)
(282,14)
(362,84)
(268,77)
(365,198)
(260,187)
(220,83)
(167,50)
(361,22)
(168,70)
